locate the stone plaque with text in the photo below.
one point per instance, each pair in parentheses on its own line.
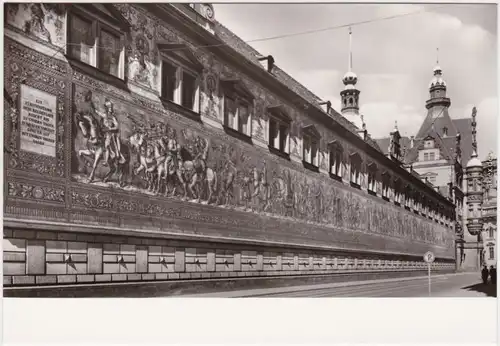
(38,121)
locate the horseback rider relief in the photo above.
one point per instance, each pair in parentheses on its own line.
(103,143)
(112,144)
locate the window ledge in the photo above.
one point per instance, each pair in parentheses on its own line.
(397,203)
(386,198)
(279,152)
(335,177)
(237,134)
(371,192)
(97,73)
(355,185)
(310,166)
(172,106)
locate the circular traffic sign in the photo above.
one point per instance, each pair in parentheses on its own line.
(429,257)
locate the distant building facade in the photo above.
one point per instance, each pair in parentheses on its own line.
(489,211)
(439,153)
(148,142)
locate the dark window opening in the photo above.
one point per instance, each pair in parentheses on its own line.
(168,81)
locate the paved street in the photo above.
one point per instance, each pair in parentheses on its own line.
(453,285)
(447,285)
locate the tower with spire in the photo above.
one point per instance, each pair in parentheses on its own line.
(474,195)
(437,91)
(350,95)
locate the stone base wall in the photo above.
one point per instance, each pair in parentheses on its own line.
(48,258)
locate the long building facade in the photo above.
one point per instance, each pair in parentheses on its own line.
(148,142)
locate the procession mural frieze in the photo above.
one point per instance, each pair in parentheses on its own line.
(43,22)
(18,73)
(210,105)
(116,145)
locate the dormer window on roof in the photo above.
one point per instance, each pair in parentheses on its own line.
(279,129)
(310,140)
(237,107)
(429,144)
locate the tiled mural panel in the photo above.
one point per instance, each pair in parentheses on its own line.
(63,261)
(211,184)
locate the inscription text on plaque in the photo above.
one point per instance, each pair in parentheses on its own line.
(38,121)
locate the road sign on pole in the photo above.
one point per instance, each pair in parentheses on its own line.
(429,258)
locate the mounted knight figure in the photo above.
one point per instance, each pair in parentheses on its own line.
(103,140)
(173,161)
(198,174)
(149,157)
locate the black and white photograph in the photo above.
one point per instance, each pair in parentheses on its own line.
(250,150)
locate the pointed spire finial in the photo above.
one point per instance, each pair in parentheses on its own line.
(437,56)
(350,49)
(474,123)
(396,125)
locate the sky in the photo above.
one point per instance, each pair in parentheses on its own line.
(393,58)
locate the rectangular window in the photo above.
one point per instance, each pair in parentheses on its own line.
(372,180)
(82,39)
(243,115)
(431,156)
(283,131)
(336,162)
(230,113)
(109,53)
(492,252)
(397,193)
(385,186)
(426,156)
(188,90)
(95,42)
(169,81)
(310,154)
(355,171)
(492,233)
(278,134)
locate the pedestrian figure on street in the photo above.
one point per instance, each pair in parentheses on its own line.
(484,274)
(493,275)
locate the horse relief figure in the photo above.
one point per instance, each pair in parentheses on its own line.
(196,174)
(172,172)
(151,160)
(103,140)
(226,194)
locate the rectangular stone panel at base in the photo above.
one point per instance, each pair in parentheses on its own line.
(14,268)
(35,257)
(210,261)
(141,256)
(237,261)
(94,259)
(180,261)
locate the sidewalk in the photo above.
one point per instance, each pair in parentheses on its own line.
(476,290)
(263,291)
